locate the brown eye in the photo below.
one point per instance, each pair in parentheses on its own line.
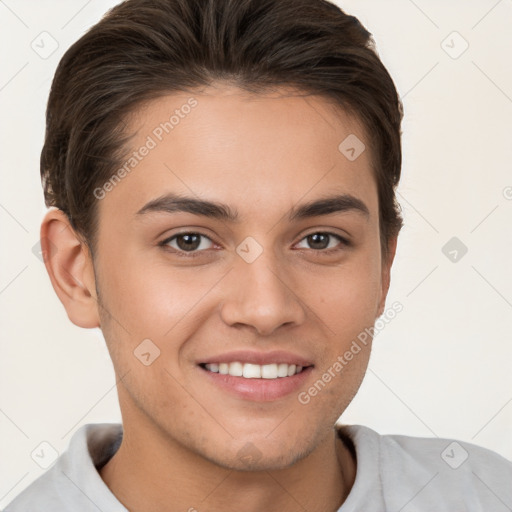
(187,242)
(321,241)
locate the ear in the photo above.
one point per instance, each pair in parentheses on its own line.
(69,265)
(386,273)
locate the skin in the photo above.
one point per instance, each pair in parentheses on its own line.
(261,155)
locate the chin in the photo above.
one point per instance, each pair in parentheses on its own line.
(260,456)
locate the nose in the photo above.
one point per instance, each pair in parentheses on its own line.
(261,296)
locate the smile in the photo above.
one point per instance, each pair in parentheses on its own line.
(254,371)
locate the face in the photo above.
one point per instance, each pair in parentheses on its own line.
(260,286)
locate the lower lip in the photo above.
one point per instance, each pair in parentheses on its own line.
(259,390)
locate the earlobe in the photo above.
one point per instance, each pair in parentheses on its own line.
(69,266)
(386,273)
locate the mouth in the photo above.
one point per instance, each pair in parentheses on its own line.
(258,377)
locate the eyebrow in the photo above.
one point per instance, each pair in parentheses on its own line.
(173,203)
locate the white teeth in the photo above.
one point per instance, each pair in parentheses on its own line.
(282,370)
(254,371)
(236,369)
(269,371)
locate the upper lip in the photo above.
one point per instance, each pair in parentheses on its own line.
(261,358)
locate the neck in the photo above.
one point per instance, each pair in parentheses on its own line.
(149,474)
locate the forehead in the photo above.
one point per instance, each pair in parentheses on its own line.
(260,152)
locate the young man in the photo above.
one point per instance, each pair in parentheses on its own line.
(221,175)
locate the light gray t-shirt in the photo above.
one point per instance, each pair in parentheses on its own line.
(394,473)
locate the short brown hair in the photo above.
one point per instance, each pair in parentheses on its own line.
(143,49)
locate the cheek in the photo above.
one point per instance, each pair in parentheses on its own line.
(346,297)
(150,299)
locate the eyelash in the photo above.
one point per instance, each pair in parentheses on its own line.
(193,254)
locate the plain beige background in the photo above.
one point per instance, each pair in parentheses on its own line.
(441,368)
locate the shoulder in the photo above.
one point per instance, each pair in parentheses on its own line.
(435,470)
(72,482)
(42,494)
